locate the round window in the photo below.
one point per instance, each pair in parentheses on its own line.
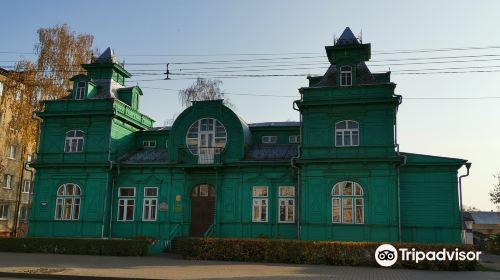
(206,135)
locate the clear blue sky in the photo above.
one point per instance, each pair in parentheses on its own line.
(456,128)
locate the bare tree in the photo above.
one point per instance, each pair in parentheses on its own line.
(470,208)
(495,192)
(203,89)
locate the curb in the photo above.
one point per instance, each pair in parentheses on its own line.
(59,276)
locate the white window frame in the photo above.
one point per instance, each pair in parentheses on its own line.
(151,203)
(286,199)
(124,202)
(63,197)
(29,183)
(261,202)
(345,74)
(341,197)
(294,139)
(269,139)
(4,213)
(8,181)
(80,90)
(12,152)
(18,95)
(352,133)
(201,128)
(72,141)
(149,143)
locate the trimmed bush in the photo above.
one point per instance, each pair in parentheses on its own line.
(76,246)
(309,252)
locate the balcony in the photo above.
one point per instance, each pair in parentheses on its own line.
(204,155)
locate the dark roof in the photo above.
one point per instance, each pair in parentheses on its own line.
(485,218)
(264,124)
(147,156)
(4,71)
(272,152)
(108,56)
(159,128)
(347,38)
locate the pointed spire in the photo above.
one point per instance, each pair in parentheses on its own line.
(347,38)
(108,56)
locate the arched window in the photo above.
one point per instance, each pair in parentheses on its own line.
(80,90)
(205,138)
(345,76)
(348,203)
(68,202)
(74,141)
(346,133)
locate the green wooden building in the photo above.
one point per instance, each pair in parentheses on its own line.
(104,171)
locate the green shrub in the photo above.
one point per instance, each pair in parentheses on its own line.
(492,244)
(77,246)
(308,252)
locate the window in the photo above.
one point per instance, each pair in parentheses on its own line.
(150,203)
(345,76)
(203,190)
(74,141)
(23,213)
(346,134)
(126,204)
(12,152)
(27,187)
(80,91)
(8,181)
(347,203)
(206,138)
(260,204)
(286,204)
(68,202)
(294,139)
(149,144)
(269,139)
(4,212)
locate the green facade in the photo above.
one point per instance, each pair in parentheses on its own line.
(213,174)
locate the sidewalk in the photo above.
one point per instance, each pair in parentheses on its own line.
(23,265)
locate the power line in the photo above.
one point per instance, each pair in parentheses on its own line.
(298,96)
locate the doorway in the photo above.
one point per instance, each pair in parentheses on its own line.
(202,209)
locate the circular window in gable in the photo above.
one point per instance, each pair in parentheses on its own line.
(206,136)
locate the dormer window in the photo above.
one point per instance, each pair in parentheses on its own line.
(149,144)
(80,91)
(345,76)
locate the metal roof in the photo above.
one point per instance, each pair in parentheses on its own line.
(485,218)
(159,128)
(108,56)
(147,156)
(264,124)
(347,38)
(271,152)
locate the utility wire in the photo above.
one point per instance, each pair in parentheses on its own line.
(298,96)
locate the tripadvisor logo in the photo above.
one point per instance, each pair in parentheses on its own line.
(387,255)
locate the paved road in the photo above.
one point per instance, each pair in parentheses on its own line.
(162,267)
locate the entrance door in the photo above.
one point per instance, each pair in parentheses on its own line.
(202,209)
(206,150)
